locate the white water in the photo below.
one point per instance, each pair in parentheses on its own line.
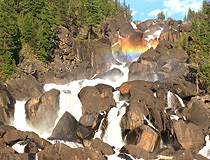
(19,147)
(205,151)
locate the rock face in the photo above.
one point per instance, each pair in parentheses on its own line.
(66,128)
(24,88)
(7,103)
(41,111)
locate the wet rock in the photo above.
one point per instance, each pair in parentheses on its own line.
(12,136)
(93,102)
(40,142)
(31,147)
(199,115)
(105,148)
(112,75)
(189,135)
(87,120)
(145,137)
(7,103)
(41,111)
(61,151)
(84,133)
(66,128)
(136,151)
(24,88)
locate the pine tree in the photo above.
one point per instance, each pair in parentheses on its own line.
(45,43)
(10,43)
(161,15)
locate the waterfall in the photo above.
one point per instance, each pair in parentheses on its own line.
(205,151)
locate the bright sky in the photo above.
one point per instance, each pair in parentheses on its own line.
(149,9)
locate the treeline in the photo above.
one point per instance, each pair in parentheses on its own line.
(199,46)
(32,22)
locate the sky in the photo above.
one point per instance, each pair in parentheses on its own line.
(149,9)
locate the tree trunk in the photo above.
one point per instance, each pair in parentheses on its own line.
(197,75)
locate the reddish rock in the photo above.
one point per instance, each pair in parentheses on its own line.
(145,137)
(136,151)
(190,136)
(149,140)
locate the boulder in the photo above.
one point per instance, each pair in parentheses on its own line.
(41,111)
(113,75)
(24,88)
(12,136)
(93,102)
(8,155)
(136,151)
(62,151)
(145,137)
(31,147)
(7,103)
(40,142)
(5,128)
(180,86)
(66,128)
(105,148)
(190,136)
(84,133)
(199,115)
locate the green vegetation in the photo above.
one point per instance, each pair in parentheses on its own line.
(161,15)
(199,48)
(32,22)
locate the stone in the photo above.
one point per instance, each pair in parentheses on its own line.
(84,133)
(7,103)
(66,128)
(12,136)
(8,155)
(136,151)
(62,151)
(41,112)
(93,102)
(105,148)
(190,136)
(24,88)
(199,115)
